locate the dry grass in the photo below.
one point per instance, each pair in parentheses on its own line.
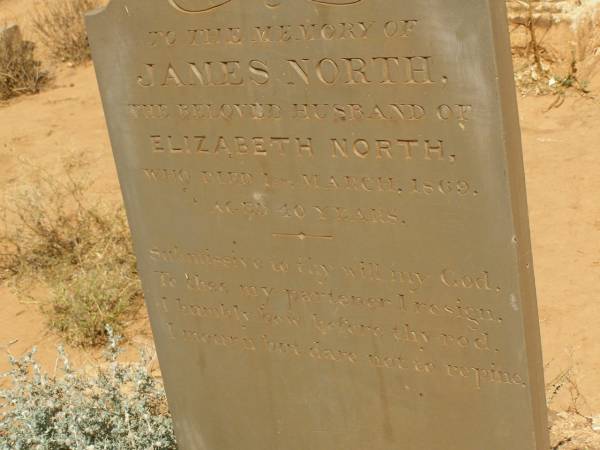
(570,429)
(56,235)
(60,27)
(538,70)
(20,72)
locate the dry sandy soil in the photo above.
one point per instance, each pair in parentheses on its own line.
(562,159)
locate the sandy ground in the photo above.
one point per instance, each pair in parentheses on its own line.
(562,159)
(562,166)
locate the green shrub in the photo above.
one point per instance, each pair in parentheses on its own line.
(20,72)
(119,406)
(95,294)
(56,234)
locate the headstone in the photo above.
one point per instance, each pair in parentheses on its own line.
(9,33)
(328,207)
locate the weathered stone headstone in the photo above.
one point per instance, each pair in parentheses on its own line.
(9,33)
(328,207)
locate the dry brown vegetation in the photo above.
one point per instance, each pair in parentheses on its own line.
(570,428)
(55,234)
(60,27)
(537,70)
(20,72)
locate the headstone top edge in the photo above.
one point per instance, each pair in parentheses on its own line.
(102,11)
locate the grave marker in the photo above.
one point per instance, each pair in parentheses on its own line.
(328,207)
(9,32)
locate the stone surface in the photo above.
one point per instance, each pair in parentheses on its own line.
(545,12)
(10,32)
(328,206)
